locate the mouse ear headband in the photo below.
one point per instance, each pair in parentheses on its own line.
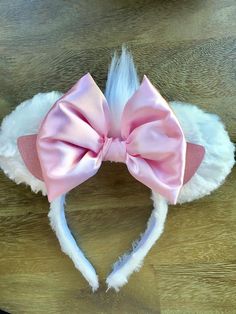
(55,142)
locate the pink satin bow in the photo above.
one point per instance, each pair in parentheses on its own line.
(74,139)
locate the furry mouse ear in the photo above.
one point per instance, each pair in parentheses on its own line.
(24,120)
(207,130)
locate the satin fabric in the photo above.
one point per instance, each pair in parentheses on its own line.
(73,140)
(27,148)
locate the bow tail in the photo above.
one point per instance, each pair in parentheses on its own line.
(132,262)
(157,176)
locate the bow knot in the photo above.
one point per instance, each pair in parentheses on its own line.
(114,149)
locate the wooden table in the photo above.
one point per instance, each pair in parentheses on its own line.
(188,49)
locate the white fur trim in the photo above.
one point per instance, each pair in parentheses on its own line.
(68,244)
(133,261)
(122,82)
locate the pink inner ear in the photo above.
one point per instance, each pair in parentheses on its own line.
(27,147)
(194,156)
(28,151)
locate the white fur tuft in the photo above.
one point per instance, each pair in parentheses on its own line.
(122,82)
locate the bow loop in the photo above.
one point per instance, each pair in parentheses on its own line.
(70,137)
(154,136)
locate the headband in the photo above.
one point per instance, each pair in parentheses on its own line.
(60,141)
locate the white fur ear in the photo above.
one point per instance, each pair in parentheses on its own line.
(207,130)
(24,120)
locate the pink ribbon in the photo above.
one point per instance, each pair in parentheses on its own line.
(74,139)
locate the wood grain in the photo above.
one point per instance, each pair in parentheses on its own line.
(188,49)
